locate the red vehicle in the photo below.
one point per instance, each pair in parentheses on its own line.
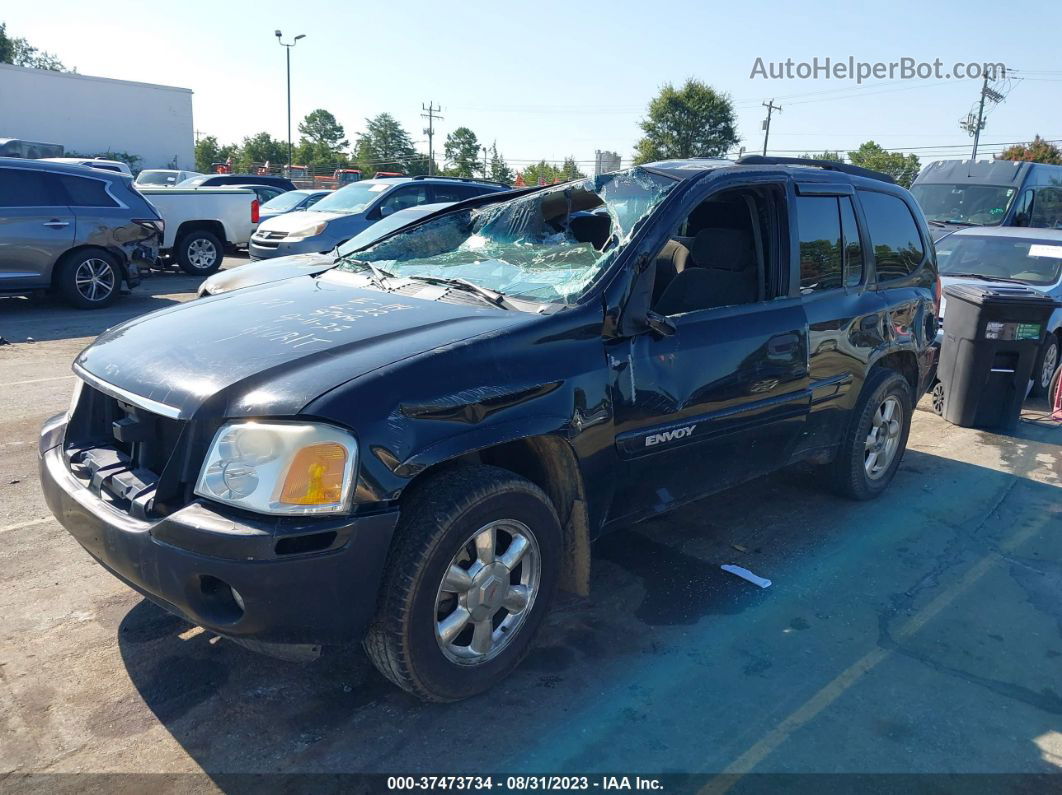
(380,174)
(303,177)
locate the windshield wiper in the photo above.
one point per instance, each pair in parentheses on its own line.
(983,277)
(378,274)
(495,298)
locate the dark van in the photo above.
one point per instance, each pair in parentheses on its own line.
(961,193)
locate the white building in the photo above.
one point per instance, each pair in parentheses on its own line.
(91,115)
(605,162)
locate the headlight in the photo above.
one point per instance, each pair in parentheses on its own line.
(308,231)
(74,398)
(280,467)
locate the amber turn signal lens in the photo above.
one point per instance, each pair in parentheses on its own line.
(315,476)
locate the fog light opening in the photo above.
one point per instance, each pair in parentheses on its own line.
(218,602)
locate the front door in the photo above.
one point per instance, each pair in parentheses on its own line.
(726,396)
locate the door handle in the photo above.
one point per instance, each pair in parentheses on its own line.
(782,344)
(55,223)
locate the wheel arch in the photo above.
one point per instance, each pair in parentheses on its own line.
(905,363)
(217,228)
(66,256)
(549,461)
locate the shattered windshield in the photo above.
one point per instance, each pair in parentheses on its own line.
(547,246)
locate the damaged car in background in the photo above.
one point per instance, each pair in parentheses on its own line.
(415,447)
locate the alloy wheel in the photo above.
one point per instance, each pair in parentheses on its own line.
(1050,363)
(487,592)
(94,279)
(202,254)
(883,440)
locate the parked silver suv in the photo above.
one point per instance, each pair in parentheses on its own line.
(77,231)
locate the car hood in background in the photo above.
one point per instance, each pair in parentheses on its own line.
(948,281)
(292,222)
(265,272)
(271,350)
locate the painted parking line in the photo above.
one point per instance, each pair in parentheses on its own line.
(851,675)
(32,523)
(40,380)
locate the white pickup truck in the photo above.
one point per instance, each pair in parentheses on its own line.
(203,223)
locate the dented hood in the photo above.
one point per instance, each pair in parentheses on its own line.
(270,350)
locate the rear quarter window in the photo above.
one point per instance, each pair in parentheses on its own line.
(894,238)
(82,192)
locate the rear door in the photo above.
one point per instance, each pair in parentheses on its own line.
(845,313)
(36,227)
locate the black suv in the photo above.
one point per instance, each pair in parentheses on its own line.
(75,230)
(417,446)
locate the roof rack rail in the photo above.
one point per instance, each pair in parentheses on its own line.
(461,179)
(761,160)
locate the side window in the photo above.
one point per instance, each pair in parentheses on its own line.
(819,229)
(454,193)
(722,253)
(853,249)
(83,192)
(402,199)
(893,234)
(1047,209)
(1023,208)
(24,188)
(310,202)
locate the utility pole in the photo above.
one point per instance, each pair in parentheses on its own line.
(974,124)
(431,115)
(767,122)
(287,51)
(484,162)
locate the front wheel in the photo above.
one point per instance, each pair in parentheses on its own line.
(1046,363)
(469,579)
(876,437)
(199,253)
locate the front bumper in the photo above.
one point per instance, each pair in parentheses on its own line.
(259,249)
(190,561)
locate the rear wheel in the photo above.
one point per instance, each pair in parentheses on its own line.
(470,577)
(199,252)
(1046,363)
(89,279)
(876,437)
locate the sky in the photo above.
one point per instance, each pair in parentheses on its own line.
(552,79)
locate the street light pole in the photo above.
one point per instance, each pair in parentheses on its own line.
(287,52)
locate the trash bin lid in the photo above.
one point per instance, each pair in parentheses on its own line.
(1010,296)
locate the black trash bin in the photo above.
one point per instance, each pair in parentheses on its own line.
(991,338)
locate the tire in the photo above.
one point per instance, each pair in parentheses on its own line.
(199,252)
(89,279)
(1046,364)
(937,398)
(437,530)
(853,473)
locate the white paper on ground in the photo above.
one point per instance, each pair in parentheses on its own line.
(745,574)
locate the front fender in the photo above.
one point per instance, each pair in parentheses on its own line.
(480,438)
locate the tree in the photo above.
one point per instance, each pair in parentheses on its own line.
(208,152)
(833,157)
(321,128)
(384,146)
(546,173)
(693,121)
(19,52)
(570,171)
(463,153)
(499,169)
(262,148)
(902,168)
(1039,151)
